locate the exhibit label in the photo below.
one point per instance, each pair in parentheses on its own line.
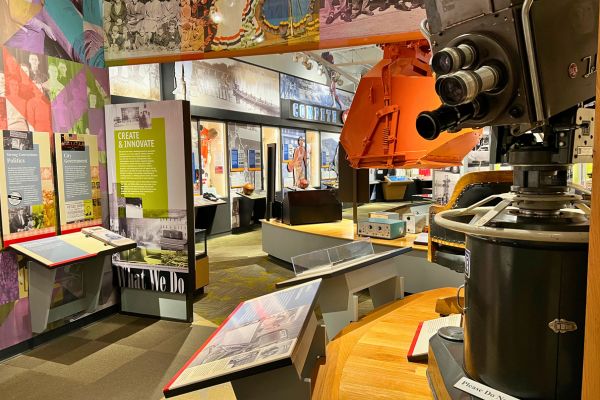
(78,181)
(480,390)
(142,168)
(27,186)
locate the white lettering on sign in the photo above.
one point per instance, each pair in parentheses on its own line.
(481,391)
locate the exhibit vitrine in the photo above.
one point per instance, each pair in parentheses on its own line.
(329,157)
(213,174)
(293,157)
(313,149)
(270,134)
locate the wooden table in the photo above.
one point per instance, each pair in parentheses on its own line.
(367,360)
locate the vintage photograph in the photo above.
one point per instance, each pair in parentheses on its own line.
(133,118)
(136,81)
(309,92)
(362,18)
(232,85)
(161,241)
(15,140)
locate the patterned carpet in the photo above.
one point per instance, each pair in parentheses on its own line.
(132,358)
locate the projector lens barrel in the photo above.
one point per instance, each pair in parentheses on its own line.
(464,86)
(452,59)
(431,123)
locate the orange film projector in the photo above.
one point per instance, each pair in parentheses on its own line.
(380,130)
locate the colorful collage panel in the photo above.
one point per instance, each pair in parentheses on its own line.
(142,28)
(52,79)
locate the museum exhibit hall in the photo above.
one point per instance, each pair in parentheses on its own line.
(299,199)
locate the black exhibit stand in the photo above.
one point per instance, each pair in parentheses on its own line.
(205,211)
(252,209)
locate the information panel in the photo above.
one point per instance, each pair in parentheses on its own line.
(151,191)
(257,336)
(78,181)
(27,187)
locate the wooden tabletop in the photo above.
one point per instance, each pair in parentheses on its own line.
(367,360)
(345,229)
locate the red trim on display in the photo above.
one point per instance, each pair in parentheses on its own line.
(72,260)
(28,238)
(414,341)
(168,385)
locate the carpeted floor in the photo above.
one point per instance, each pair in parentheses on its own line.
(132,358)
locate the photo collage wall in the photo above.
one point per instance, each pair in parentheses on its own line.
(53,86)
(167,29)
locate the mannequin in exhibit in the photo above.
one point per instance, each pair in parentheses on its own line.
(299,162)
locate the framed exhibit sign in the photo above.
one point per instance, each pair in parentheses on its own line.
(261,334)
(151,196)
(78,181)
(27,186)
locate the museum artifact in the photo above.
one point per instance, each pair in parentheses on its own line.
(382,228)
(527,68)
(248,188)
(210,196)
(380,129)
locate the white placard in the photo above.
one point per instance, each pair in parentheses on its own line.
(481,391)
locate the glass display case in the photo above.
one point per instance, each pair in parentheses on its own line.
(270,135)
(196,157)
(212,155)
(332,257)
(245,156)
(293,157)
(329,157)
(313,149)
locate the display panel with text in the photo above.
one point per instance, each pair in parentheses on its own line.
(27,186)
(151,192)
(78,181)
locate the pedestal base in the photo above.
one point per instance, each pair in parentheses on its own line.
(445,369)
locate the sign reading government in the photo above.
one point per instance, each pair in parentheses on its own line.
(292,109)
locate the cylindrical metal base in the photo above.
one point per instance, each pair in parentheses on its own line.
(514,290)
